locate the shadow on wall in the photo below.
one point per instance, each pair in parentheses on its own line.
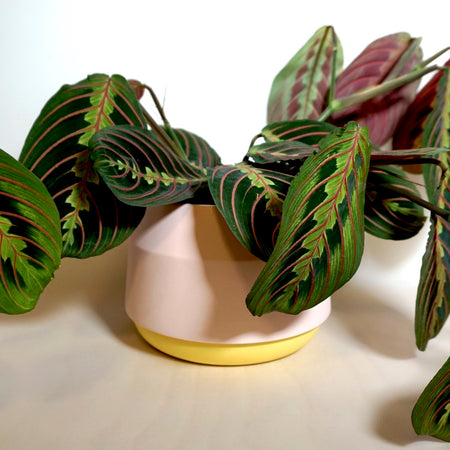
(377,305)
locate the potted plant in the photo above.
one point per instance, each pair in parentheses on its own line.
(314,180)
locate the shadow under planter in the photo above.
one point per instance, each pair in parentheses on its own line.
(187,280)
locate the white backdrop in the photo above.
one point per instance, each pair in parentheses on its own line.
(73,373)
(212,62)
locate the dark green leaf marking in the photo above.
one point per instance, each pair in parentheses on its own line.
(30,237)
(321,236)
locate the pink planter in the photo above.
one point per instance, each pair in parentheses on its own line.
(187,280)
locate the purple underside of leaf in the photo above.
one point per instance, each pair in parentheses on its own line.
(372,65)
(382,114)
(409,132)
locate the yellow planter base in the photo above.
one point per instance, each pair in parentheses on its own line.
(226,354)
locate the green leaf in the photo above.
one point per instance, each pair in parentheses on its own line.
(402,156)
(389,214)
(321,235)
(299,89)
(197,150)
(140,170)
(92,220)
(272,152)
(433,295)
(437,134)
(30,237)
(288,144)
(382,60)
(309,132)
(251,201)
(431,414)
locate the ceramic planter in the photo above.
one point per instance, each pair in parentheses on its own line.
(187,280)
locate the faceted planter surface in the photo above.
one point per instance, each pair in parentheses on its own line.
(187,281)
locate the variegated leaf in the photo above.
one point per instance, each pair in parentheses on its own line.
(140,170)
(402,156)
(56,150)
(30,237)
(431,414)
(321,236)
(299,89)
(377,63)
(389,214)
(437,134)
(288,144)
(273,152)
(307,131)
(196,149)
(251,200)
(433,296)
(409,132)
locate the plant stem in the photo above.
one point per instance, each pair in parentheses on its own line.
(326,113)
(435,56)
(373,91)
(404,160)
(418,200)
(389,158)
(253,141)
(166,134)
(161,133)
(157,104)
(392,81)
(404,59)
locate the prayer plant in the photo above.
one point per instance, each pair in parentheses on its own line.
(313,181)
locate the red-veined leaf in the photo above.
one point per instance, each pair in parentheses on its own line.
(272,152)
(437,134)
(30,237)
(431,414)
(409,132)
(389,212)
(196,149)
(321,237)
(401,156)
(251,200)
(56,150)
(140,170)
(378,62)
(288,144)
(433,295)
(307,131)
(299,89)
